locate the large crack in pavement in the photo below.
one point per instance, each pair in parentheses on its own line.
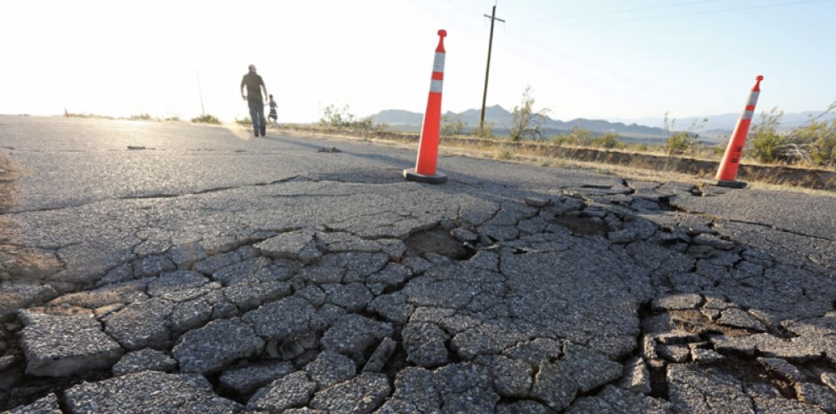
(717,219)
(595,301)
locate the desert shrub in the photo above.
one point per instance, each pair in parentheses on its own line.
(813,143)
(341,117)
(336,117)
(719,149)
(245,121)
(818,138)
(504,153)
(764,142)
(682,142)
(609,141)
(525,122)
(486,132)
(366,123)
(141,117)
(207,119)
(452,125)
(83,115)
(578,136)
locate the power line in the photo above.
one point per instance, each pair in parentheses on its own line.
(665,6)
(765,6)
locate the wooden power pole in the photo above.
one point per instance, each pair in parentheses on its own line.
(488,69)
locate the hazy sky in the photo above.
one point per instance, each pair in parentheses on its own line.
(602,59)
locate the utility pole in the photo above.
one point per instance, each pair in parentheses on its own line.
(488,69)
(200,91)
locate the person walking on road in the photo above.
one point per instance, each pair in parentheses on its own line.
(255,100)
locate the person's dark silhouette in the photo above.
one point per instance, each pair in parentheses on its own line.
(255,100)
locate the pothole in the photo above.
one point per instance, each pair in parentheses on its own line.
(440,242)
(583,226)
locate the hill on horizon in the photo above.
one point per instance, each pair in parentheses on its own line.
(716,129)
(501,119)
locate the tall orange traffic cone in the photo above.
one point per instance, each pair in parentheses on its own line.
(424,170)
(731,161)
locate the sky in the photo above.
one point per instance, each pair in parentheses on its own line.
(605,59)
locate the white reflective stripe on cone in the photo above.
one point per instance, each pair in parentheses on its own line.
(747,115)
(436,85)
(438,64)
(753,98)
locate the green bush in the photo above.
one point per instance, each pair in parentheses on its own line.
(336,117)
(81,115)
(505,153)
(719,149)
(578,137)
(767,147)
(452,125)
(609,141)
(525,122)
(820,140)
(141,117)
(245,121)
(206,119)
(812,144)
(366,123)
(487,131)
(764,142)
(682,142)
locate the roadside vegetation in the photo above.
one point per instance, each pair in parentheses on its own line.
(452,125)
(812,144)
(83,115)
(341,118)
(206,119)
(134,117)
(142,117)
(526,123)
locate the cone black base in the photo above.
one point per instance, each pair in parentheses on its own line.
(437,178)
(731,184)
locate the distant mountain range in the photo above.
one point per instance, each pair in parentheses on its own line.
(716,128)
(501,119)
(729,121)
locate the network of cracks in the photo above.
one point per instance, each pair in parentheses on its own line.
(571,303)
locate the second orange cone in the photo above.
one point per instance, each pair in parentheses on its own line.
(727,172)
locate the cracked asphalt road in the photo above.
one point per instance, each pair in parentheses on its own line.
(205,271)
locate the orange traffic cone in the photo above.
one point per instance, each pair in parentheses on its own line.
(424,170)
(731,161)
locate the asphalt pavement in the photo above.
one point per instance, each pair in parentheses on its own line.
(267,275)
